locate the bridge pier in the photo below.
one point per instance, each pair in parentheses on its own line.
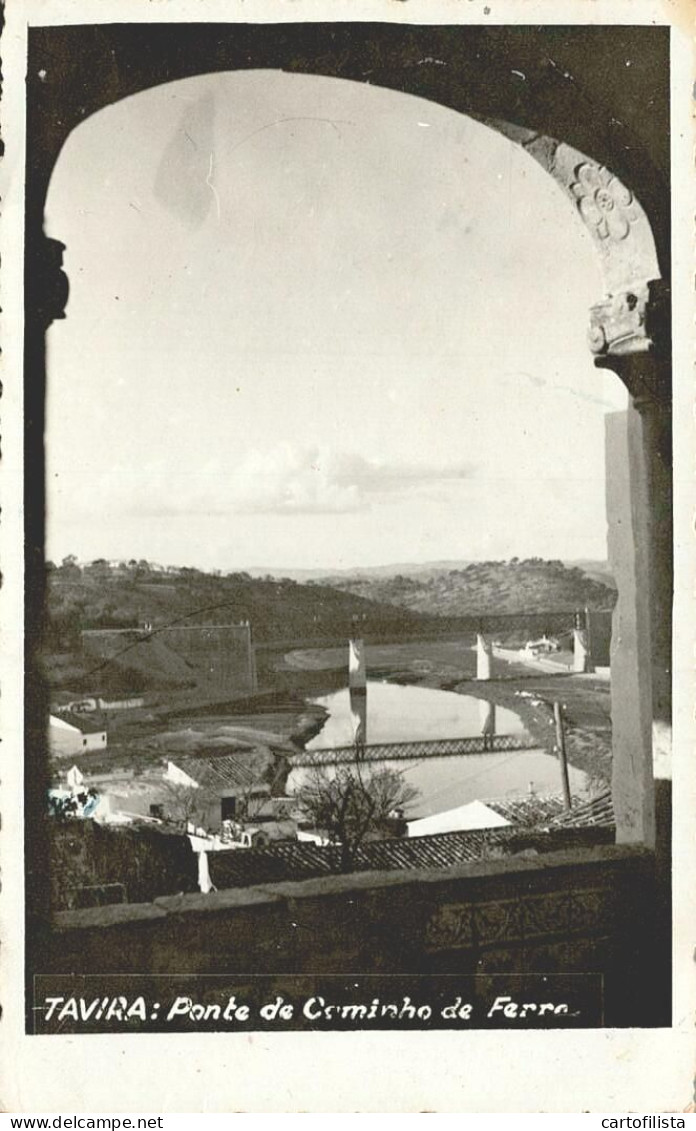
(357,667)
(487,716)
(582,660)
(484,657)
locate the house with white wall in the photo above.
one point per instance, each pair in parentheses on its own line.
(72,734)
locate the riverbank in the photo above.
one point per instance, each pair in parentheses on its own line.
(281,716)
(281,721)
(587,723)
(450,666)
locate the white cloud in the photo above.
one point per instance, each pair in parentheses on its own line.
(314,480)
(288,479)
(293,480)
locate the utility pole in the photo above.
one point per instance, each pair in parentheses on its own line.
(560,743)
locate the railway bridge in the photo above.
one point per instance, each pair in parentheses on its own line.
(407,751)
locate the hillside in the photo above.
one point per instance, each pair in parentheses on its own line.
(594,567)
(130,595)
(598,571)
(531,585)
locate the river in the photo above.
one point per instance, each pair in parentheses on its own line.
(397,713)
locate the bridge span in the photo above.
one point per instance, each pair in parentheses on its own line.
(403,751)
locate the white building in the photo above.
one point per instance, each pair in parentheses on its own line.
(177,776)
(77,736)
(474,815)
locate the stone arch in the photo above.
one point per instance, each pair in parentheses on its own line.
(529,84)
(620,322)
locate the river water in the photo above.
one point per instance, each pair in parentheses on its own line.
(395,713)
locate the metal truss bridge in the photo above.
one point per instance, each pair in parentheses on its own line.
(403,751)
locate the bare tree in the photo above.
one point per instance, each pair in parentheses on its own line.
(189,803)
(352,804)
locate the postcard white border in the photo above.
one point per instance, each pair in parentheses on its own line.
(594,1070)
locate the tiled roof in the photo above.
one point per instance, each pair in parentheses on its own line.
(301,860)
(598,811)
(527,811)
(535,812)
(88,724)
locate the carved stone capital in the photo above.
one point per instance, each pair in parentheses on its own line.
(48,287)
(618,323)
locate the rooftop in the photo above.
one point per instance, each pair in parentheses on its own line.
(228,771)
(88,724)
(294,860)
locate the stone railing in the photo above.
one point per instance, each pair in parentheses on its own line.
(587,911)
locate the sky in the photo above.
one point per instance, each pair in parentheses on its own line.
(317,324)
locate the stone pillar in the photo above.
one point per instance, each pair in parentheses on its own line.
(357,669)
(487,717)
(358,711)
(581,655)
(46,294)
(484,657)
(658,439)
(630,334)
(583,660)
(628,516)
(633,339)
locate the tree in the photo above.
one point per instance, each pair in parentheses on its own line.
(99,570)
(69,569)
(190,804)
(352,804)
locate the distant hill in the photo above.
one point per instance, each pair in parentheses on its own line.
(389,570)
(435,601)
(529,585)
(596,569)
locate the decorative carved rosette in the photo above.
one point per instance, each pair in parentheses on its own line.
(606,205)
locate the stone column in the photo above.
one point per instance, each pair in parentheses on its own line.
(631,647)
(630,333)
(46,294)
(358,711)
(487,717)
(581,656)
(658,440)
(357,671)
